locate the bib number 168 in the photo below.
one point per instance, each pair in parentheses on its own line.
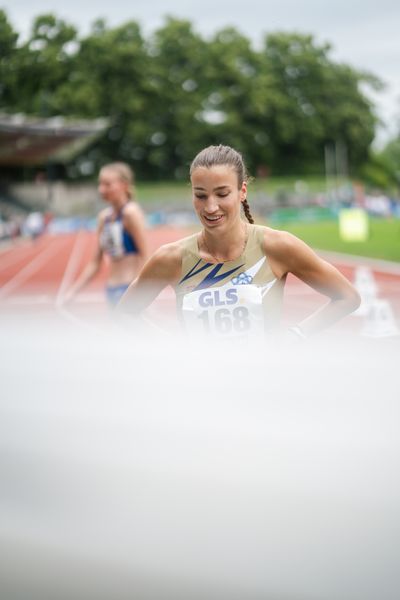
(226,320)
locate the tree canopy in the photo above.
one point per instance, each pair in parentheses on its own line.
(172,93)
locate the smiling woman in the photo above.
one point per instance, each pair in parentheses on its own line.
(229,278)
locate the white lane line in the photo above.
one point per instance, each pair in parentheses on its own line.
(71,268)
(26,273)
(376,264)
(14,258)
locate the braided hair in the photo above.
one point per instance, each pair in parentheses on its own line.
(224,155)
(247,212)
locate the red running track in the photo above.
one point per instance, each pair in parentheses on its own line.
(35,274)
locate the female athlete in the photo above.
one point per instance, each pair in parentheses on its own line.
(120,234)
(229,278)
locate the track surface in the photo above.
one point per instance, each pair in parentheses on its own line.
(35,274)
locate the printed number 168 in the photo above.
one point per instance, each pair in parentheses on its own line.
(225,320)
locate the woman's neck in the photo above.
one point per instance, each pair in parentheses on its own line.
(119,203)
(225,246)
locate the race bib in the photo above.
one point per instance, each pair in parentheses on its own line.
(228,311)
(111,239)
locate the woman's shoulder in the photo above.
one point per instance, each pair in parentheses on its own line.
(285,251)
(132,210)
(268,238)
(168,257)
(176,250)
(165,263)
(170,251)
(277,241)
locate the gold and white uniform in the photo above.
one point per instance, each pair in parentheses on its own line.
(241,297)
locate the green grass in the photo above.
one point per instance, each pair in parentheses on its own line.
(317,226)
(383,241)
(164,191)
(274,186)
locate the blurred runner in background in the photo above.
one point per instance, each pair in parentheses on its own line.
(121,234)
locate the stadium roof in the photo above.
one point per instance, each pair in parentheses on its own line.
(34,141)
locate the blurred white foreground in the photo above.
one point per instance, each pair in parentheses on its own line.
(151,467)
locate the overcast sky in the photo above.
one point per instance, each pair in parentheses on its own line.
(364,34)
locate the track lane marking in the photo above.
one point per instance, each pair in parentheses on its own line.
(14,256)
(71,268)
(29,270)
(354,260)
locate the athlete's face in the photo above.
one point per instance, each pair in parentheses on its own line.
(217,196)
(111,187)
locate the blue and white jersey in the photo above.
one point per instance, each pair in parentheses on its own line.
(115,240)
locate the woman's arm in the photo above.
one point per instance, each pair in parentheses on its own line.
(163,268)
(289,254)
(134,223)
(89,270)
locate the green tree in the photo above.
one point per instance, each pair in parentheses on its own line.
(391,156)
(234,73)
(8,73)
(110,79)
(43,63)
(383,167)
(311,101)
(177,74)
(172,94)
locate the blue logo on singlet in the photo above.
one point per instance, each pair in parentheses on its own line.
(212,277)
(242,279)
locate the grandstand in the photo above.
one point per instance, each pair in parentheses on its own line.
(32,141)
